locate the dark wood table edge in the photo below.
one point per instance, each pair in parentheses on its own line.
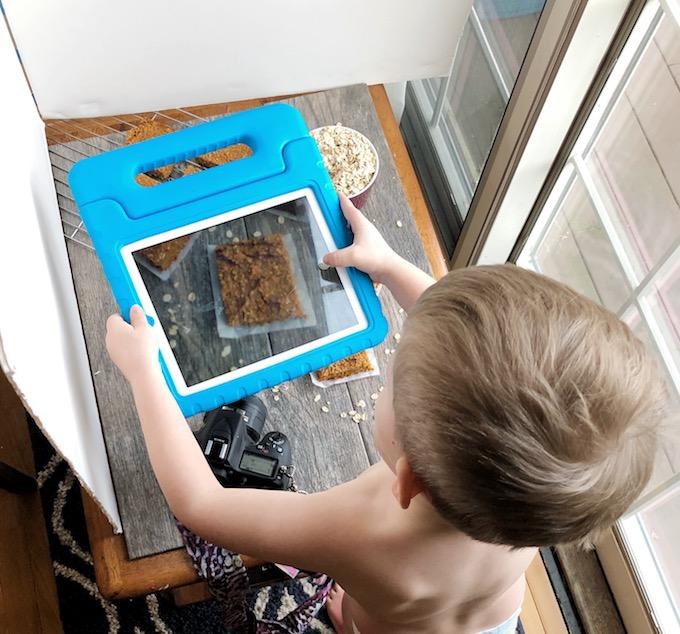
(119,577)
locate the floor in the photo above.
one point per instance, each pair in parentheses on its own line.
(28,594)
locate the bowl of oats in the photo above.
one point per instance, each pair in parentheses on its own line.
(350,158)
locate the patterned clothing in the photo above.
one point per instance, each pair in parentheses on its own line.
(228,582)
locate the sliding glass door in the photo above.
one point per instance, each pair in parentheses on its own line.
(610,228)
(451,122)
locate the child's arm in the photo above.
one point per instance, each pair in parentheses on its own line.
(270,525)
(370,253)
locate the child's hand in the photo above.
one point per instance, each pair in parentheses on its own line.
(369,252)
(132,347)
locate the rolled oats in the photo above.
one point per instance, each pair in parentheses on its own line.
(348,157)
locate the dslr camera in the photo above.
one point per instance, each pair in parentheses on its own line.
(232,442)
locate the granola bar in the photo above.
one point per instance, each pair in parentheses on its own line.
(354,364)
(164,254)
(224,155)
(256,282)
(148,130)
(145,180)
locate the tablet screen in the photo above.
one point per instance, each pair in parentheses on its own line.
(243,290)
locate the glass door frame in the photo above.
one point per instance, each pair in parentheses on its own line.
(613,549)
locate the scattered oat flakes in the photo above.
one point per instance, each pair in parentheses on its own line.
(173,343)
(324,409)
(356,418)
(388,351)
(374,396)
(352,412)
(211,229)
(280,220)
(361,403)
(276,389)
(172,330)
(235,240)
(241,362)
(317,398)
(343,414)
(232,368)
(400,224)
(277,397)
(397,336)
(191,296)
(257,234)
(226,351)
(167,298)
(381,388)
(401,311)
(230,234)
(176,284)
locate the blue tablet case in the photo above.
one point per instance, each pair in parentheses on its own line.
(117,212)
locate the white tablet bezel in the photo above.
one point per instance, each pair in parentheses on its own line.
(171,362)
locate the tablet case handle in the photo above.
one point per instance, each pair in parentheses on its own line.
(266,130)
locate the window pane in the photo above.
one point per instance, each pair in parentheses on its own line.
(668,459)
(473,99)
(661,522)
(577,251)
(635,161)
(475,106)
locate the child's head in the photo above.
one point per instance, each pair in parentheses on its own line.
(527,412)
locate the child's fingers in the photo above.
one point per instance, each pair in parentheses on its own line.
(114,322)
(341,257)
(137,317)
(351,213)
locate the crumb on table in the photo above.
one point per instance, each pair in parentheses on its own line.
(256,282)
(354,364)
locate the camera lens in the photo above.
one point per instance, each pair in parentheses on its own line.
(255,413)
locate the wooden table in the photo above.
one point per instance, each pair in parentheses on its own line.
(327,449)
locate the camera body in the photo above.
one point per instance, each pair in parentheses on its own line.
(232,442)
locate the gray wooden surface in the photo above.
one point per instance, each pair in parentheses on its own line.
(327,448)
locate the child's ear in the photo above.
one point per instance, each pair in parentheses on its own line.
(406,483)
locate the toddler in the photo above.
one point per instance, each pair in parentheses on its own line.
(516,414)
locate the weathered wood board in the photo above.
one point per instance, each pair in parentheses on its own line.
(327,449)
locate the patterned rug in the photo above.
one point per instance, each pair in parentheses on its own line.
(85,611)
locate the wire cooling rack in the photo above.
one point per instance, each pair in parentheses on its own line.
(70,140)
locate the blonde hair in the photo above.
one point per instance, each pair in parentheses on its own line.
(529,412)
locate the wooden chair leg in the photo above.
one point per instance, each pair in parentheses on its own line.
(15,481)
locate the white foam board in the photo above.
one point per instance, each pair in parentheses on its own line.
(87,58)
(42,350)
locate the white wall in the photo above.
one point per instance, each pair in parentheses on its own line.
(41,343)
(86,58)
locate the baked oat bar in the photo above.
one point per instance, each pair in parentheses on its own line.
(256,282)
(224,155)
(354,364)
(164,254)
(148,130)
(146,181)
